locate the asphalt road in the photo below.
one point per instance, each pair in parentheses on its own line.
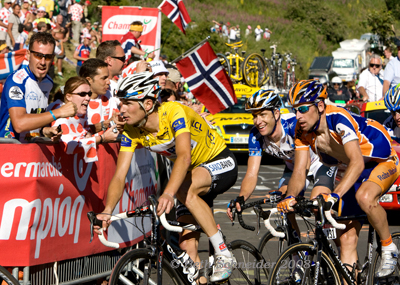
(268,179)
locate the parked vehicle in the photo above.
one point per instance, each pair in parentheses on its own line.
(321,67)
(350,58)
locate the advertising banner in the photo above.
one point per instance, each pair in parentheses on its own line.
(46,195)
(117,20)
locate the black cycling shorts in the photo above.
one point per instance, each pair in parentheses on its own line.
(223,170)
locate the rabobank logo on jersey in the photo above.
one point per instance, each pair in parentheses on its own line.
(179,124)
(125,141)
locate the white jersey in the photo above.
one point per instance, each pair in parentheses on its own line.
(258,143)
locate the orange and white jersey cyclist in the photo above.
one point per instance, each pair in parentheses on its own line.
(203,166)
(362,149)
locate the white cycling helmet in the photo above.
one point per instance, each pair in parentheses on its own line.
(138,86)
(337,79)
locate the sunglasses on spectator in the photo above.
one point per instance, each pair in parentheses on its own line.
(121,58)
(335,84)
(39,55)
(302,109)
(374,65)
(83,94)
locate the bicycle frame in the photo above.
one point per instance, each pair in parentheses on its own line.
(237,59)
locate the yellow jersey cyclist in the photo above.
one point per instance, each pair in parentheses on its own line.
(367,164)
(203,166)
(274,134)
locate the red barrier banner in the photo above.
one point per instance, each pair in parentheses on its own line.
(117,20)
(45,195)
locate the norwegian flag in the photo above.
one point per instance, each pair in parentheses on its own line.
(207,79)
(10,62)
(176,11)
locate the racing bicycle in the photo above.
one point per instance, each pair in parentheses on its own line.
(316,262)
(250,70)
(159,262)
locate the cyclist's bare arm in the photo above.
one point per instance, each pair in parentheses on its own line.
(249,182)
(354,168)
(178,173)
(300,170)
(116,188)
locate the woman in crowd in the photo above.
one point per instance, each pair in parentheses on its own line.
(76,135)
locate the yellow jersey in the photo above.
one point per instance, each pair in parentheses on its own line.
(175,119)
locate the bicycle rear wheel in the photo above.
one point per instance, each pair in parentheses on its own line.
(291,267)
(7,277)
(250,264)
(225,63)
(253,70)
(136,265)
(376,262)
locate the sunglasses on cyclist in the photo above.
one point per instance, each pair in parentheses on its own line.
(83,94)
(302,109)
(121,58)
(39,55)
(374,65)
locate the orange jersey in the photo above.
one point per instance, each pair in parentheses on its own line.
(344,126)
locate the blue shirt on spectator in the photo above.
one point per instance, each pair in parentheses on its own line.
(392,72)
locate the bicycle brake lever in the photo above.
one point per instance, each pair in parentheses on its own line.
(93,221)
(258,210)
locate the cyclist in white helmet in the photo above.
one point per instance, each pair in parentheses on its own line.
(392,102)
(203,166)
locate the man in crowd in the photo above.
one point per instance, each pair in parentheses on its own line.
(60,34)
(26,92)
(41,12)
(392,72)
(102,105)
(82,52)
(48,5)
(130,42)
(388,55)
(159,70)
(112,53)
(371,80)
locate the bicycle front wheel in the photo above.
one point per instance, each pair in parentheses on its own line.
(375,265)
(271,247)
(297,264)
(138,266)
(225,63)
(7,277)
(250,267)
(253,70)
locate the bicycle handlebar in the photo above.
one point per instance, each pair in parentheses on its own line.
(276,197)
(138,212)
(300,207)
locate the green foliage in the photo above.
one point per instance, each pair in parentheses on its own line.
(394,7)
(380,23)
(319,15)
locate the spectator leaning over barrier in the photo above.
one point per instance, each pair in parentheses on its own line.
(112,53)
(76,134)
(392,71)
(76,12)
(82,52)
(26,92)
(103,108)
(130,42)
(371,80)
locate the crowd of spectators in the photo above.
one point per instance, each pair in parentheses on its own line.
(84,112)
(232,33)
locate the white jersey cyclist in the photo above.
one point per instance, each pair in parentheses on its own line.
(22,89)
